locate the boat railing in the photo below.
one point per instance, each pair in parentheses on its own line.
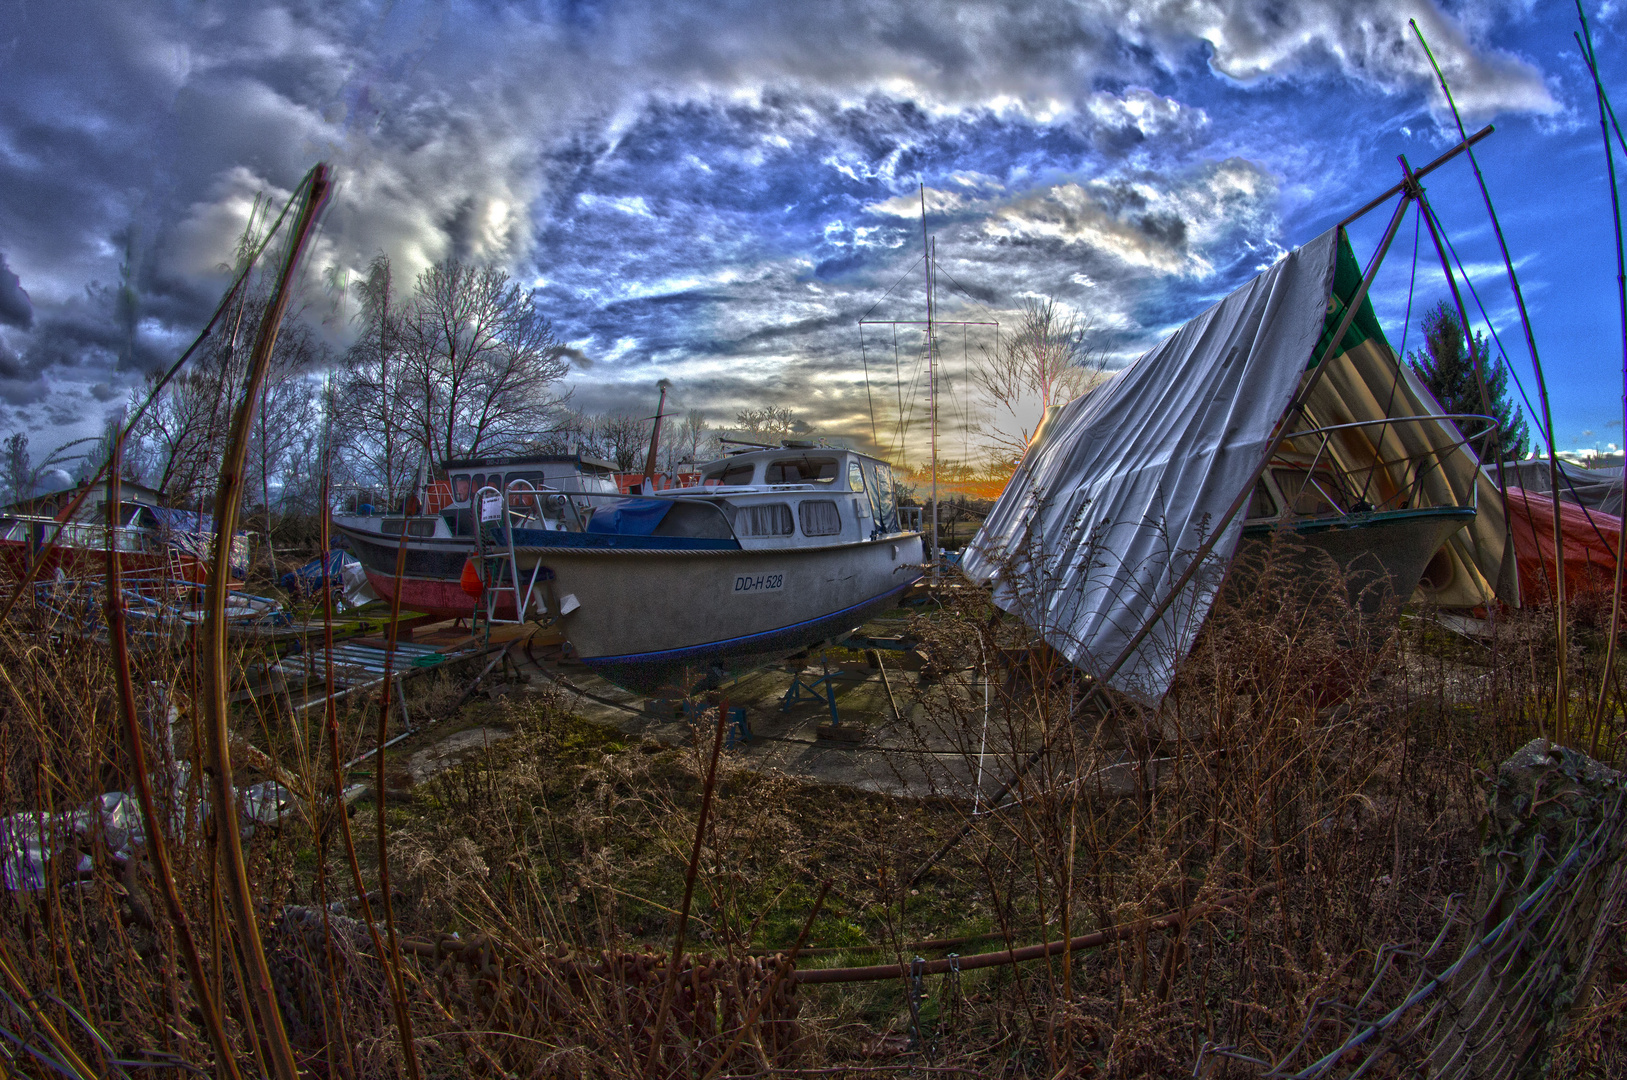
(1357,487)
(77,534)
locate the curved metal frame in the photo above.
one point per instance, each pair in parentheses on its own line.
(1327,433)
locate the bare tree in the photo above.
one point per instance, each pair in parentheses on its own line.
(479,359)
(370,409)
(182,432)
(769,423)
(288,413)
(690,441)
(17,464)
(1046,361)
(181,438)
(622,437)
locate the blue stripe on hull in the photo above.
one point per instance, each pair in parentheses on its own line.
(650,672)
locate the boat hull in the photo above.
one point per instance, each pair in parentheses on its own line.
(1382,555)
(431,580)
(652,620)
(145,569)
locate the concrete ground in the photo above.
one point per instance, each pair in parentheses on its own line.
(876,743)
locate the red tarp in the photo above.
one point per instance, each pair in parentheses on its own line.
(1590,538)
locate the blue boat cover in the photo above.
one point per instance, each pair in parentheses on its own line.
(308,578)
(193,521)
(631,517)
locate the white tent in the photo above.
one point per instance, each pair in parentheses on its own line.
(1119,487)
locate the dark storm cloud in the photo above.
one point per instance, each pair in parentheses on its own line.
(691,186)
(15,307)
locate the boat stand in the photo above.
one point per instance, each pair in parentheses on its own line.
(738,730)
(822,688)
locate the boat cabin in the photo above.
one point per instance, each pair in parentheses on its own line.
(797,495)
(449,504)
(561,472)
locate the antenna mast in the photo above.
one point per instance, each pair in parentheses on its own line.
(648,483)
(927,247)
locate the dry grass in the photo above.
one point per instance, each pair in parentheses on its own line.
(1325,779)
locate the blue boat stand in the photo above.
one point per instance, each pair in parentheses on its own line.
(738,730)
(822,688)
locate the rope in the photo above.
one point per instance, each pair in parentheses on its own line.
(1569,483)
(870,400)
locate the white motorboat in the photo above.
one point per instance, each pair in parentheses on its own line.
(774,551)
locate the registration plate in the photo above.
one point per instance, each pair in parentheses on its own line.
(753,583)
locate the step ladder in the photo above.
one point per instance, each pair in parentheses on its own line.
(499,565)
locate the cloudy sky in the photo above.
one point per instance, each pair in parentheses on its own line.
(716,193)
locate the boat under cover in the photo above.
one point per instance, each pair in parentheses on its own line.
(1120,488)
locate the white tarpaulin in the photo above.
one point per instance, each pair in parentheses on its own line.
(1120,486)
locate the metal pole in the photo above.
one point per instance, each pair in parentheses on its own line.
(1561,689)
(1621,292)
(932,382)
(1418,174)
(655,441)
(1478,361)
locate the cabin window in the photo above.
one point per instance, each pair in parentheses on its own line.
(883,499)
(421,528)
(855,477)
(460,488)
(801,470)
(733,475)
(1262,505)
(1307,494)
(772,519)
(392,526)
(819,517)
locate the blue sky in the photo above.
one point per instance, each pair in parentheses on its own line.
(715,193)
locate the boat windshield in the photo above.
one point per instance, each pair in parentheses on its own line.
(731,475)
(801,470)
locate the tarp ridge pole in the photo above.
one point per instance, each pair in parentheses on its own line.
(1561,718)
(1280,435)
(1420,174)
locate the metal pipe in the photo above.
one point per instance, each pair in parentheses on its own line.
(877,972)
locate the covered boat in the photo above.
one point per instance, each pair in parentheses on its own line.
(1120,489)
(1591,537)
